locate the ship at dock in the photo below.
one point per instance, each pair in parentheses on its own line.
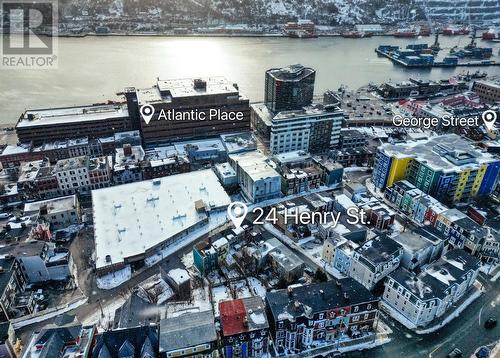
(455,31)
(303,29)
(356,34)
(406,33)
(492,34)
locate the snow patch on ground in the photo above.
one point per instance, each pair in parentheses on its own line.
(256,287)
(114,279)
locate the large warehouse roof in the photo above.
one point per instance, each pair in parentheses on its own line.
(133,218)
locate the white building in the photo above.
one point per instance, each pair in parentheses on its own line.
(59,212)
(421,298)
(127,164)
(82,174)
(226,174)
(374,260)
(134,221)
(258,180)
(314,129)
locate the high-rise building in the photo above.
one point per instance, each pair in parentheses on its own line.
(289,88)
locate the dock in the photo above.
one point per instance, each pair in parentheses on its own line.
(402,62)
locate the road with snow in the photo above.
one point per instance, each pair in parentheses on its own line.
(466,332)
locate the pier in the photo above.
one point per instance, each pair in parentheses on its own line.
(401,61)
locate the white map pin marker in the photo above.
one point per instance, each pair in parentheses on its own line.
(237,212)
(489,118)
(147,112)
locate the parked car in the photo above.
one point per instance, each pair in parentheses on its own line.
(5,216)
(483,352)
(490,323)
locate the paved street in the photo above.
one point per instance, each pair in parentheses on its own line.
(465,332)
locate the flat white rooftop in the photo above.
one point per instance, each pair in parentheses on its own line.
(54,116)
(53,206)
(167,90)
(133,218)
(255,165)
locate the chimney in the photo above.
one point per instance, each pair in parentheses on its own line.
(296,305)
(127,149)
(290,291)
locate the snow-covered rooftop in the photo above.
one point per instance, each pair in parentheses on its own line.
(133,218)
(53,116)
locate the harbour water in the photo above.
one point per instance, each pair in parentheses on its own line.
(93,69)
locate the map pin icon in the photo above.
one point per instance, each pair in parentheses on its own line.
(237,212)
(147,112)
(489,118)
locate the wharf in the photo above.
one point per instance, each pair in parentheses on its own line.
(477,63)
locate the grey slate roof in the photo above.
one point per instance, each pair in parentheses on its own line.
(316,298)
(187,330)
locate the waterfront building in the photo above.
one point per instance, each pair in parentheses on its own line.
(302,317)
(447,167)
(418,299)
(58,124)
(488,91)
(188,105)
(289,88)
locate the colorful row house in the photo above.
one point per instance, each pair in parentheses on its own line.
(324,313)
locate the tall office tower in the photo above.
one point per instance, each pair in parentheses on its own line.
(289,88)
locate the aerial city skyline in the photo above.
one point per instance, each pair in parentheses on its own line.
(249,180)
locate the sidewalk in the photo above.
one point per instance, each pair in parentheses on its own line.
(439,322)
(462,305)
(368,342)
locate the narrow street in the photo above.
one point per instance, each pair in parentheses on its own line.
(465,332)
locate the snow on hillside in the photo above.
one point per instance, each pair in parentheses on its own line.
(323,12)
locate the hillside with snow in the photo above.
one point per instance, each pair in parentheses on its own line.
(324,12)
